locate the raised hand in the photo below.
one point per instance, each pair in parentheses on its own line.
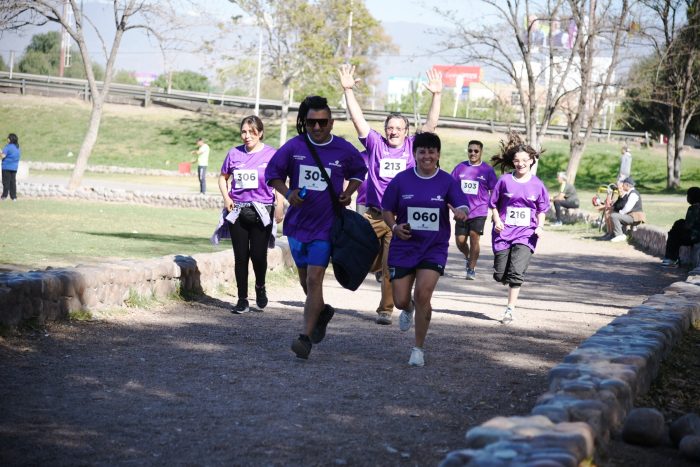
(434,81)
(346,74)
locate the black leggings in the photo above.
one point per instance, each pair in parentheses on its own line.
(9,183)
(249,239)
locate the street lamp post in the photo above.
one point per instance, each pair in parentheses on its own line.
(257,82)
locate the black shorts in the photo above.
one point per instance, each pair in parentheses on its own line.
(475,224)
(397,272)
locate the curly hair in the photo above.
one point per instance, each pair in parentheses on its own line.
(310,103)
(509,148)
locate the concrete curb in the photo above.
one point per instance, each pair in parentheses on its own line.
(40,296)
(591,391)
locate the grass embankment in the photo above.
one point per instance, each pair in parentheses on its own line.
(42,233)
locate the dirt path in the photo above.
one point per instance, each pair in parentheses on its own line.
(192,384)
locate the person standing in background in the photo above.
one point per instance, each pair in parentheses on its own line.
(10,163)
(625,164)
(202,153)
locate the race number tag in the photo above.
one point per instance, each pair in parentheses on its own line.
(311,177)
(518,216)
(424,219)
(470,187)
(388,168)
(245,179)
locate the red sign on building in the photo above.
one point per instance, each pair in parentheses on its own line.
(450,73)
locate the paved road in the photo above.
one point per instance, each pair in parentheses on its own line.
(191,384)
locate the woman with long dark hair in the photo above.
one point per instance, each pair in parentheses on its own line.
(250,202)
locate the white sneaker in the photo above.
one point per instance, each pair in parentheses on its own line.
(406,317)
(619,238)
(507,316)
(416,357)
(471,274)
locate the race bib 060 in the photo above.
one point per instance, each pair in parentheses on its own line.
(470,187)
(424,219)
(518,216)
(311,177)
(245,179)
(388,168)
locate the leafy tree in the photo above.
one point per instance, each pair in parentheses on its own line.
(305,42)
(183,81)
(665,89)
(124,77)
(42,56)
(128,15)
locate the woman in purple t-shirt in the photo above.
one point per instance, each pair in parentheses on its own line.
(416,207)
(250,203)
(518,204)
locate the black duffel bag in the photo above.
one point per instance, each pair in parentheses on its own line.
(354,244)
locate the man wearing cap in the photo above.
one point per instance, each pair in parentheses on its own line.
(627,210)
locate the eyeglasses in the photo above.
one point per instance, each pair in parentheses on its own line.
(393,128)
(322,122)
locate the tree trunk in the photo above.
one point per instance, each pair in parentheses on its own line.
(670,156)
(675,181)
(285,113)
(575,156)
(89,141)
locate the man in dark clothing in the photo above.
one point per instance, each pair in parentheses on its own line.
(567,197)
(684,231)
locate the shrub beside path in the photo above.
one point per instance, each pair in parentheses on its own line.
(190,383)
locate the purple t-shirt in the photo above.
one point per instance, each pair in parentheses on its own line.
(384,163)
(362,189)
(422,202)
(247,172)
(293,161)
(476,181)
(518,204)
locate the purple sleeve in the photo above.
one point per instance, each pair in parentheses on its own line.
(371,140)
(226,167)
(493,178)
(390,200)
(543,201)
(356,168)
(455,195)
(278,167)
(495,194)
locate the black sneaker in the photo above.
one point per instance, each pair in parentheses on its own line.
(301,346)
(241,307)
(260,297)
(323,319)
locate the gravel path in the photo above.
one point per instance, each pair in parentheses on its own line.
(192,384)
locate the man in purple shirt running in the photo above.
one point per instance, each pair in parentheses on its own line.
(386,156)
(310,216)
(476,179)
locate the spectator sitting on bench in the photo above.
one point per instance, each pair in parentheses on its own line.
(684,231)
(567,197)
(626,211)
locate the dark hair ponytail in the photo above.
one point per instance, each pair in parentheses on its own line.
(310,103)
(13,139)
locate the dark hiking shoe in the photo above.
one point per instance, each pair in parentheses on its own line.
(323,319)
(241,307)
(301,346)
(260,297)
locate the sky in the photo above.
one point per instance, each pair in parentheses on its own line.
(139,54)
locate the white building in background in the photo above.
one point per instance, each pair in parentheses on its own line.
(400,86)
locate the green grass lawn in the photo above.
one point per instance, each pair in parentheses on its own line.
(41,233)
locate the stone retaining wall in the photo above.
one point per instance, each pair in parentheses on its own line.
(180,200)
(49,295)
(591,392)
(113,169)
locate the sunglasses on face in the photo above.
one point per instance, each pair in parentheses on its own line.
(322,122)
(473,151)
